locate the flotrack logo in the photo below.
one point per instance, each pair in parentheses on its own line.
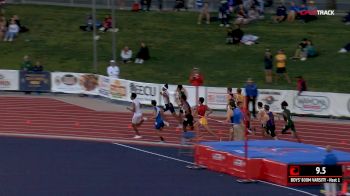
(239,163)
(317,12)
(312,103)
(218,157)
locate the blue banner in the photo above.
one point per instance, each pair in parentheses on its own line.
(35,81)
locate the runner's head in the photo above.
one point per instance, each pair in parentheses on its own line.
(165,87)
(183,98)
(284,104)
(260,105)
(267,107)
(133,96)
(229,90)
(232,104)
(154,102)
(239,104)
(201,100)
(239,90)
(179,87)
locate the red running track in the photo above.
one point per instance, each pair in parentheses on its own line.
(50,118)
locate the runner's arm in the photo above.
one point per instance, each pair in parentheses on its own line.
(209,111)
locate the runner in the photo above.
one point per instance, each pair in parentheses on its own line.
(188,120)
(270,123)
(202,111)
(158,115)
(137,118)
(229,97)
(179,92)
(168,105)
(289,124)
(246,120)
(262,118)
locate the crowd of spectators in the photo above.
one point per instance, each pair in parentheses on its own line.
(303,12)
(10,29)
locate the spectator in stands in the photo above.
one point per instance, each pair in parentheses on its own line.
(311,13)
(204,12)
(301,84)
(237,35)
(241,17)
(224,13)
(345,49)
(281,13)
(2,27)
(253,14)
(89,24)
(292,13)
(146,5)
(107,24)
(12,31)
(268,59)
(179,4)
(300,51)
(26,64)
(126,54)
(113,69)
(38,67)
(22,29)
(135,7)
(143,54)
(251,92)
(281,61)
(310,50)
(330,160)
(346,19)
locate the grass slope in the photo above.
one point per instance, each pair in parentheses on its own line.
(177,44)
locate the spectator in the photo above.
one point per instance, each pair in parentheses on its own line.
(12,31)
(22,29)
(135,7)
(89,24)
(113,69)
(146,5)
(310,50)
(179,4)
(292,13)
(107,24)
(346,19)
(329,160)
(37,67)
(242,18)
(310,14)
(301,84)
(345,49)
(281,13)
(196,78)
(26,64)
(281,61)
(251,92)
(268,59)
(234,36)
(204,12)
(300,51)
(143,54)
(224,13)
(126,55)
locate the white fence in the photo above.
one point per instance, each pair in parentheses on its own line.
(314,103)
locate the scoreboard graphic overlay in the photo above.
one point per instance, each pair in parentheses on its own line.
(315,174)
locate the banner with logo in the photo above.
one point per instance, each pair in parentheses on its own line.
(119,89)
(217,97)
(104,86)
(312,103)
(9,80)
(67,82)
(35,81)
(146,92)
(274,98)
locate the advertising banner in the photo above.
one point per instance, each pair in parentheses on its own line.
(274,98)
(146,92)
(104,86)
(9,80)
(67,82)
(312,103)
(119,89)
(35,81)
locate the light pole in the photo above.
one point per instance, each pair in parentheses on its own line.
(94,36)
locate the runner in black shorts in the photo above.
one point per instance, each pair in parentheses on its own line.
(180,90)
(188,120)
(168,105)
(289,124)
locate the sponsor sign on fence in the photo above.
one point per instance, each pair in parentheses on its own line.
(74,83)
(146,92)
(35,81)
(9,80)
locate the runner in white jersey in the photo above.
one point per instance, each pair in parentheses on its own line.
(137,118)
(168,105)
